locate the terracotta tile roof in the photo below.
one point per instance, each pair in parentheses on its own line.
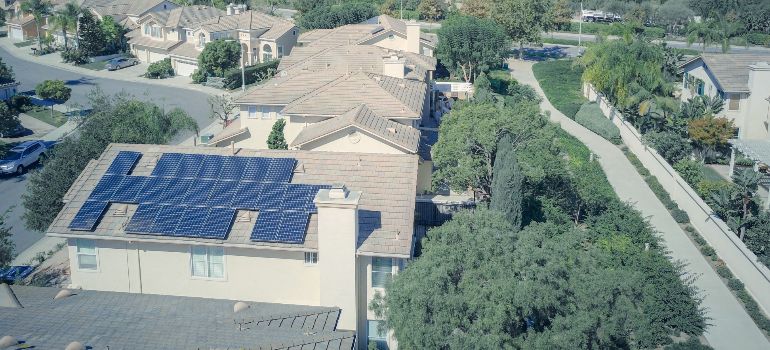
(364,119)
(23,20)
(283,90)
(399,26)
(389,97)
(185,16)
(232,130)
(386,209)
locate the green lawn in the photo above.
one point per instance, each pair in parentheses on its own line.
(562,84)
(24,43)
(555,41)
(44,115)
(94,65)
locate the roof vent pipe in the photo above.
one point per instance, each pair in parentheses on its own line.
(75,345)
(64,293)
(8,341)
(240,306)
(338,191)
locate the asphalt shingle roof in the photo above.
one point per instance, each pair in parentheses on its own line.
(144,321)
(732,70)
(285,89)
(386,209)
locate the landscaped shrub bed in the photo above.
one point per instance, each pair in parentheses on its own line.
(160,70)
(591,116)
(561,83)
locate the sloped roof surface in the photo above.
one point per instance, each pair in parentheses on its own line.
(387,96)
(364,119)
(283,90)
(248,20)
(732,70)
(185,16)
(145,321)
(386,209)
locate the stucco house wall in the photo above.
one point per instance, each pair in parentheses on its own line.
(711,88)
(351,140)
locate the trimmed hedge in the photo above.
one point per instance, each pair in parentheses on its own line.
(591,116)
(160,70)
(724,272)
(760,39)
(253,73)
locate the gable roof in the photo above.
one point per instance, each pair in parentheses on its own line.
(387,96)
(731,70)
(248,20)
(184,16)
(283,90)
(145,321)
(399,26)
(364,119)
(386,209)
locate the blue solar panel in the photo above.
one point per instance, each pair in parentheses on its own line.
(246,195)
(233,168)
(255,170)
(106,187)
(280,170)
(129,189)
(189,166)
(222,194)
(167,164)
(271,196)
(176,190)
(198,192)
(155,189)
(166,220)
(13,273)
(123,163)
(211,167)
(284,227)
(143,218)
(193,221)
(218,223)
(88,215)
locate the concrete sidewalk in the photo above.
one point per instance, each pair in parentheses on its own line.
(130,74)
(730,325)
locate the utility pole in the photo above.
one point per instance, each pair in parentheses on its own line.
(243,67)
(580,26)
(401,16)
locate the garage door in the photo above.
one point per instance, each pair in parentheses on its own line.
(185,69)
(155,57)
(17,34)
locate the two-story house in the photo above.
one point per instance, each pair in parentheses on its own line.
(741,80)
(288,227)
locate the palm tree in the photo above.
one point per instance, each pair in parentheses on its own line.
(704,31)
(747,182)
(39,9)
(67,18)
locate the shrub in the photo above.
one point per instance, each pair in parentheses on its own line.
(707,251)
(670,145)
(724,272)
(690,229)
(690,170)
(761,39)
(219,56)
(706,187)
(680,216)
(253,74)
(160,69)
(735,284)
(199,76)
(591,116)
(74,56)
(698,239)
(327,17)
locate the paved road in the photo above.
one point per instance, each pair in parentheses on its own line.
(731,327)
(30,74)
(671,43)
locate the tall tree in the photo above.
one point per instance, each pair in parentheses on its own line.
(39,10)
(705,32)
(477,8)
(9,119)
(432,10)
(465,152)
(562,14)
(507,183)
(276,139)
(332,16)
(710,133)
(747,183)
(218,57)
(114,34)
(92,38)
(119,119)
(222,108)
(6,244)
(65,19)
(468,45)
(524,20)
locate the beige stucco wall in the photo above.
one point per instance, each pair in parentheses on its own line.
(397,42)
(365,314)
(757,107)
(351,140)
(250,274)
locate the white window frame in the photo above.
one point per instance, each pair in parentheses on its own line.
(79,245)
(252,112)
(380,339)
(311,258)
(389,273)
(207,275)
(266,112)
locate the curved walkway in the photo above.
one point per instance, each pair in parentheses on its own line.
(730,325)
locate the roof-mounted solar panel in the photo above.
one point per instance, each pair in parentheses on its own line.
(123,163)
(282,227)
(143,218)
(167,164)
(106,187)
(88,215)
(212,166)
(189,166)
(129,189)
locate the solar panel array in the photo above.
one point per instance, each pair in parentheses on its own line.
(195,195)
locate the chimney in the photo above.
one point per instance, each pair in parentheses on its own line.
(230,9)
(757,104)
(393,66)
(413,37)
(337,241)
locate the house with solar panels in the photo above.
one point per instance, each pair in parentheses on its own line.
(325,229)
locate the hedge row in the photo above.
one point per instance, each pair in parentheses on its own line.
(591,116)
(679,215)
(760,39)
(253,74)
(614,29)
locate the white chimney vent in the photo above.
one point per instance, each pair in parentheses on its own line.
(240,306)
(392,130)
(64,293)
(338,191)
(120,210)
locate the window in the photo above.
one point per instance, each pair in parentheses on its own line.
(207,262)
(280,51)
(147,30)
(735,102)
(382,270)
(311,258)
(265,112)
(391,37)
(86,252)
(294,32)
(252,112)
(267,53)
(156,32)
(700,87)
(376,333)
(201,40)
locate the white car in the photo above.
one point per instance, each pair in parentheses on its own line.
(21,157)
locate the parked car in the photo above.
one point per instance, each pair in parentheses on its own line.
(16,131)
(23,155)
(120,63)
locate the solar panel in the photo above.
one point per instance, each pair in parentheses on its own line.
(246,195)
(106,187)
(211,167)
(143,218)
(189,166)
(154,189)
(175,191)
(193,221)
(222,194)
(271,196)
(255,170)
(123,163)
(198,192)
(167,164)
(218,223)
(280,170)
(13,273)
(88,215)
(284,227)
(233,168)
(166,220)
(129,189)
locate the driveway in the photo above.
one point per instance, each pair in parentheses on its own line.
(30,74)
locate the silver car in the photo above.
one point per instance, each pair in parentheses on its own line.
(21,157)
(120,63)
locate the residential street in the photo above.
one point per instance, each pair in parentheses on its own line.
(671,43)
(30,74)
(730,325)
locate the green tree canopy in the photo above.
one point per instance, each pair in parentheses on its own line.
(276,140)
(114,34)
(218,57)
(332,16)
(119,119)
(432,10)
(6,244)
(524,20)
(6,73)
(469,45)
(507,183)
(39,10)
(9,119)
(92,40)
(54,90)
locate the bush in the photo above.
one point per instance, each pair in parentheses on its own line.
(591,116)
(160,69)
(689,229)
(724,272)
(74,56)
(253,74)
(707,250)
(680,216)
(327,17)
(218,57)
(706,187)
(761,39)
(735,284)
(199,76)
(670,145)
(690,170)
